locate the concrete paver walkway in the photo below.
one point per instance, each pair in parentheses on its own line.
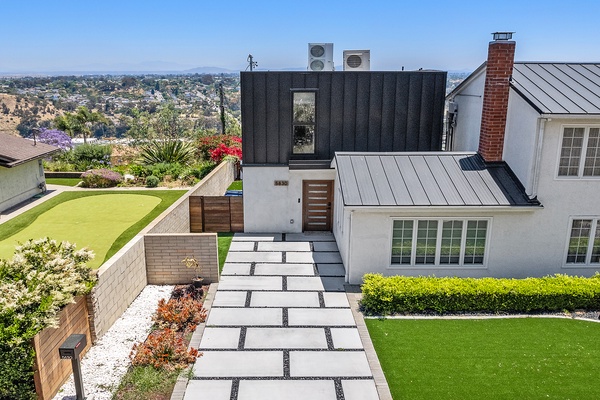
(281,327)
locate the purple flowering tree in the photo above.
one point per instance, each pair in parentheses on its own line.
(56,138)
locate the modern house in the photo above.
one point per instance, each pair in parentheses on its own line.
(515,196)
(21,170)
(294,122)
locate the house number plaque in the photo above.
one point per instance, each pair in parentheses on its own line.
(281,183)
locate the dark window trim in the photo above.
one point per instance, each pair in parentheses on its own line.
(293,124)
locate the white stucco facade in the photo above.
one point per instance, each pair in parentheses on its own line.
(276,208)
(468,119)
(20,183)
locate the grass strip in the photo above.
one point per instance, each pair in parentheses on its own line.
(63,181)
(224,242)
(529,358)
(146,382)
(236,185)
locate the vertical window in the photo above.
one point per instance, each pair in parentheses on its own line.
(304,122)
(580,152)
(451,238)
(475,242)
(402,242)
(440,242)
(584,242)
(426,242)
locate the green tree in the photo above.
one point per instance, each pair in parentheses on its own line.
(80,122)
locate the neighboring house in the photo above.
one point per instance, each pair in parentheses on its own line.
(294,122)
(21,170)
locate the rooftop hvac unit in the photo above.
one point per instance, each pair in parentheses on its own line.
(320,57)
(357,60)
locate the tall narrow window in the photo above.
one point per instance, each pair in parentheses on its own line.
(451,238)
(402,242)
(595,259)
(304,122)
(426,242)
(475,242)
(580,152)
(579,241)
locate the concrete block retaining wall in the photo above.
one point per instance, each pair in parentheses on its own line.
(164,253)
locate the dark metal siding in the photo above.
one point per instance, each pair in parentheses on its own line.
(356,111)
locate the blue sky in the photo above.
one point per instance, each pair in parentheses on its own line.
(94,34)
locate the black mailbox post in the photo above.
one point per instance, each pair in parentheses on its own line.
(70,350)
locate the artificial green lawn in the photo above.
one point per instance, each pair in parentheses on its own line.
(224,241)
(527,358)
(101,220)
(63,181)
(236,185)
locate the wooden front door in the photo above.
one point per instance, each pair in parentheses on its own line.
(317,205)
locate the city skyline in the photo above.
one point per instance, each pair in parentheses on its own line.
(182,34)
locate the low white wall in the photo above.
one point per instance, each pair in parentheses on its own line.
(19,183)
(270,208)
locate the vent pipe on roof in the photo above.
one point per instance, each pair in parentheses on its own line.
(499,67)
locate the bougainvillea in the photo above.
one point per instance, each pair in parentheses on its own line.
(55,138)
(226,143)
(222,151)
(101,178)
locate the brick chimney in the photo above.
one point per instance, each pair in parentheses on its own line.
(499,67)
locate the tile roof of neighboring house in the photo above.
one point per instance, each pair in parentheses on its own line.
(427,179)
(15,150)
(553,87)
(559,88)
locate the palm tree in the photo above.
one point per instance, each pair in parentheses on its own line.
(79,122)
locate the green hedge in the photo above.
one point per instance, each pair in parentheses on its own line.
(400,294)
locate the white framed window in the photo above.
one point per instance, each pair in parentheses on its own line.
(445,242)
(583,247)
(580,152)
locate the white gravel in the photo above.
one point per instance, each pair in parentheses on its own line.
(106,362)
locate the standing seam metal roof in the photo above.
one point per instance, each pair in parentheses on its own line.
(559,88)
(427,179)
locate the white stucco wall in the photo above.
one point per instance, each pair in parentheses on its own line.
(19,183)
(270,208)
(522,126)
(468,119)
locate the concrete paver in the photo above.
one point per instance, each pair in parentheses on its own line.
(310,237)
(236,269)
(331,269)
(325,246)
(257,237)
(224,364)
(333,283)
(284,246)
(320,317)
(287,390)
(284,299)
(305,283)
(229,299)
(220,338)
(284,269)
(333,299)
(329,257)
(329,363)
(346,338)
(244,317)
(241,246)
(282,338)
(360,389)
(213,390)
(253,256)
(250,283)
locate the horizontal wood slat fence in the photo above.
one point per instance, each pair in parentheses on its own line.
(216,214)
(50,372)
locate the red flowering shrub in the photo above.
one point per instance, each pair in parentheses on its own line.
(221,146)
(164,349)
(182,314)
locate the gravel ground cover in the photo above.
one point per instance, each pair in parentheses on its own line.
(106,362)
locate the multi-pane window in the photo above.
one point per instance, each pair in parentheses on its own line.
(442,242)
(580,152)
(584,242)
(304,122)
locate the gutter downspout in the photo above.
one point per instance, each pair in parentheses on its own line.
(538,157)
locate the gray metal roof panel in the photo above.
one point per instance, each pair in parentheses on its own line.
(459,180)
(444,182)
(380,181)
(364,180)
(397,185)
(348,181)
(412,181)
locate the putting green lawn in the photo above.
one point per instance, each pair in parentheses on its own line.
(524,358)
(101,221)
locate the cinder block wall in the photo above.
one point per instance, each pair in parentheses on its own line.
(217,182)
(120,280)
(164,253)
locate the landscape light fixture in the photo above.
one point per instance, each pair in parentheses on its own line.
(502,35)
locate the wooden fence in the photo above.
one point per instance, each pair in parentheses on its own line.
(50,372)
(216,214)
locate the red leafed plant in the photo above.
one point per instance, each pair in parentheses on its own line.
(164,349)
(220,145)
(222,150)
(182,314)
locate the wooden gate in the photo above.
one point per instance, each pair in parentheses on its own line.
(216,214)
(317,205)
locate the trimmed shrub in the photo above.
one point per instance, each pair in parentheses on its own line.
(401,294)
(101,178)
(152,181)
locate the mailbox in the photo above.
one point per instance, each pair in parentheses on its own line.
(71,350)
(72,347)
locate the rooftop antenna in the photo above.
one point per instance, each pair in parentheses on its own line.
(251,63)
